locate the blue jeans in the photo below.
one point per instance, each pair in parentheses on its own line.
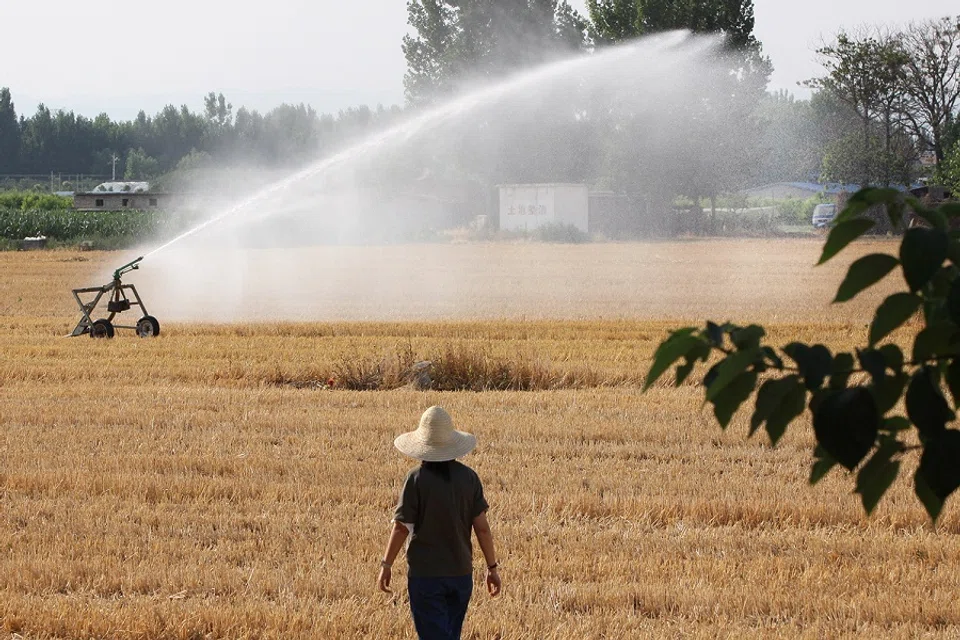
(439,605)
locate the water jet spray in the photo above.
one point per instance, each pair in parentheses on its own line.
(453,109)
(249,257)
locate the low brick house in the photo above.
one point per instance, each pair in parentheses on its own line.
(119,200)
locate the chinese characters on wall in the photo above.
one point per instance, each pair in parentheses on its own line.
(527,210)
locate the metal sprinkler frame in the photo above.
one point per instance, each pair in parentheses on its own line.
(117,302)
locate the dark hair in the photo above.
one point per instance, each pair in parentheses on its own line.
(440,468)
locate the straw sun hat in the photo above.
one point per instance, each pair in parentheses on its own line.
(435,440)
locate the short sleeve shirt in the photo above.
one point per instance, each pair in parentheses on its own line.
(441,511)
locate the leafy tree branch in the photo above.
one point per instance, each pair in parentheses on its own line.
(856,422)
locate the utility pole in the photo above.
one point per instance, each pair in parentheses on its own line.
(115,158)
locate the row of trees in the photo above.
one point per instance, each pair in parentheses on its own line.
(148,146)
(901,90)
(458,43)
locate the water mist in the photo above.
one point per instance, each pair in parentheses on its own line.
(339,239)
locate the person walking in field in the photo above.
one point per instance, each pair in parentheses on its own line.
(440,503)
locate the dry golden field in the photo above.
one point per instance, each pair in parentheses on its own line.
(197,485)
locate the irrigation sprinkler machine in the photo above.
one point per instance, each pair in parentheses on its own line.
(117,302)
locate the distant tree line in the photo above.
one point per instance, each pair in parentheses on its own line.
(149,146)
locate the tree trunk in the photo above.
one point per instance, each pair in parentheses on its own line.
(886,147)
(937,147)
(697,217)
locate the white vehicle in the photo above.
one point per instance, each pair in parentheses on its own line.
(823,215)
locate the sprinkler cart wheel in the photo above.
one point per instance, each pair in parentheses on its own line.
(115,294)
(148,327)
(101,329)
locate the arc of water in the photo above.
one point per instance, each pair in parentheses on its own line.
(444,112)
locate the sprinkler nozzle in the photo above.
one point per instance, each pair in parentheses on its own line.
(130,266)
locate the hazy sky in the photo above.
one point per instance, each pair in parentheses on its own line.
(97,56)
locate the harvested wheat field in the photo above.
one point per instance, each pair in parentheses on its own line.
(220,481)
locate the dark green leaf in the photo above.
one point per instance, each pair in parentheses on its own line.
(845,423)
(683,372)
(714,334)
(873,362)
(895,211)
(711,375)
(926,405)
(953,301)
(818,366)
(822,464)
(935,310)
(670,350)
(876,476)
(769,397)
(863,199)
(852,211)
(935,340)
(864,273)
(843,234)
(953,380)
(892,357)
(797,351)
(773,358)
(726,403)
(816,397)
(929,499)
(933,217)
(729,368)
(699,353)
(892,313)
(953,251)
(915,203)
(841,370)
(887,391)
(814,363)
(895,423)
(748,337)
(942,280)
(922,252)
(939,466)
(789,408)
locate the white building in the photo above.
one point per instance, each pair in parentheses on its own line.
(524,207)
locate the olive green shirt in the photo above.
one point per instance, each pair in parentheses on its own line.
(442,512)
